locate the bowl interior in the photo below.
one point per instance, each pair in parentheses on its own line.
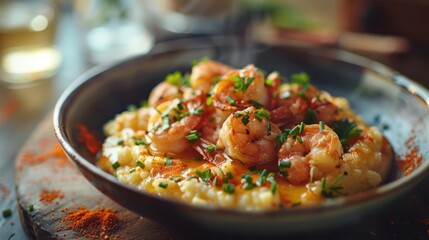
(381,96)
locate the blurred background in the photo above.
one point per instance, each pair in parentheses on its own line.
(46,44)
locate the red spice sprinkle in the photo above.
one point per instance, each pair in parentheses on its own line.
(4,190)
(412,160)
(49,196)
(98,223)
(89,139)
(28,158)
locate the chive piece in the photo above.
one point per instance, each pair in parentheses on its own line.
(273,182)
(144,103)
(295,204)
(230,100)
(193,135)
(229,175)
(269,82)
(168,161)
(197,111)
(255,104)
(248,182)
(211,148)
(176,179)
(238,82)
(165,124)
(120,142)
(141,142)
(204,175)
(228,188)
(301,79)
(284,164)
(321,126)
(197,159)
(299,139)
(163,185)
(245,119)
(269,127)
(294,131)
(7,213)
(132,170)
(30,207)
(262,177)
(248,82)
(140,164)
(310,116)
(281,138)
(209,101)
(116,165)
(301,127)
(132,108)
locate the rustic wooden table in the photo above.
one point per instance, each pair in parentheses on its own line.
(20,114)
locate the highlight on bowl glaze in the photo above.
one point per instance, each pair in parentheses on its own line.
(381,96)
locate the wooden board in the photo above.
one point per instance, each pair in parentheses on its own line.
(46,180)
(42,167)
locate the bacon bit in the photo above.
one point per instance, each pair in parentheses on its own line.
(89,139)
(96,224)
(4,190)
(28,158)
(412,159)
(48,196)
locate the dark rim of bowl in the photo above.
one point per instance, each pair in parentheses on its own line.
(219,41)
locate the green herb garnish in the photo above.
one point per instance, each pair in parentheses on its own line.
(193,135)
(262,113)
(168,160)
(301,79)
(255,104)
(163,185)
(230,100)
(176,179)
(334,188)
(120,142)
(321,126)
(132,170)
(116,165)
(30,207)
(247,182)
(211,148)
(345,129)
(7,213)
(140,164)
(262,177)
(228,188)
(204,175)
(141,142)
(132,108)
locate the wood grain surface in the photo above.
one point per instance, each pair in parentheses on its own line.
(42,168)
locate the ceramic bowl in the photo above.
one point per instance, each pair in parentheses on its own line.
(380,95)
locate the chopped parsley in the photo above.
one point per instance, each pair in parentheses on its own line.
(345,129)
(282,137)
(132,170)
(209,101)
(294,131)
(116,165)
(193,135)
(245,119)
(120,142)
(228,188)
(204,175)
(163,185)
(229,175)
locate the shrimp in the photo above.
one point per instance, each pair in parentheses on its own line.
(295,105)
(248,137)
(320,150)
(204,73)
(163,92)
(173,121)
